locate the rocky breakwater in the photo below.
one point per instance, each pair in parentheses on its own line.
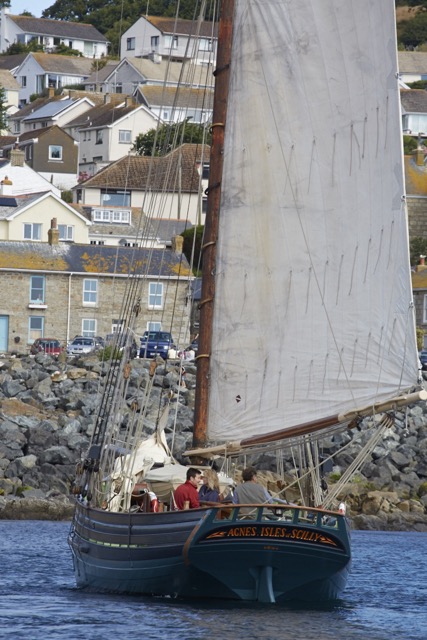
(47,416)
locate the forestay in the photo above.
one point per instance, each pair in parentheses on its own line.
(313,308)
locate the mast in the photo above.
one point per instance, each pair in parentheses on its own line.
(222,75)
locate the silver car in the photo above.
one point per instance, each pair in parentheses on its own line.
(81,346)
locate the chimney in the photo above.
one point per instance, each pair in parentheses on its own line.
(177,244)
(53,233)
(17,158)
(422,264)
(155,57)
(107,98)
(6,186)
(51,92)
(129,102)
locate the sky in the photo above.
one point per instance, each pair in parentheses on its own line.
(34,6)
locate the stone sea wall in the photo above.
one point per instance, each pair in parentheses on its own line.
(47,410)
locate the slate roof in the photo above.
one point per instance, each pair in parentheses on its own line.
(59,28)
(77,258)
(412,62)
(38,133)
(11,62)
(182,97)
(415,178)
(134,171)
(413,100)
(67,65)
(8,81)
(184,27)
(31,107)
(16,203)
(100,75)
(101,116)
(170,71)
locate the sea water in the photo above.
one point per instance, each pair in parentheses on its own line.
(385,599)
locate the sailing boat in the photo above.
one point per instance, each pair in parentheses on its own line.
(307,321)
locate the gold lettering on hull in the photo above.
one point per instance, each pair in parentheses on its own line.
(276,532)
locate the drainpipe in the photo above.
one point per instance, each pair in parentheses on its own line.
(69,308)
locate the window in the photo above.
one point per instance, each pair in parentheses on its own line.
(100,242)
(28,152)
(425,310)
(204,205)
(171,42)
(125,136)
(205,44)
(155,295)
(115,198)
(55,152)
(99,136)
(205,171)
(90,291)
(32,231)
(165,115)
(66,232)
(88,328)
(154,42)
(35,329)
(117,325)
(130,44)
(154,326)
(23,81)
(86,136)
(37,285)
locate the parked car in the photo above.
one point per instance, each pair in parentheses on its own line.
(155,343)
(81,345)
(51,346)
(118,340)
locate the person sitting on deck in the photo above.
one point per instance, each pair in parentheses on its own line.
(210,491)
(188,492)
(250,492)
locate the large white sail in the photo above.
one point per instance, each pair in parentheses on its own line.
(313,309)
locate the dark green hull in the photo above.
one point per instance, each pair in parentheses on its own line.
(266,556)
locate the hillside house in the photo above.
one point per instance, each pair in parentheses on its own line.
(167,37)
(63,290)
(170,186)
(84,38)
(175,104)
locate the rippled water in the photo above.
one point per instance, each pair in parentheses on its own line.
(386,598)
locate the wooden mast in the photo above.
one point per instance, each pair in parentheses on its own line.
(222,75)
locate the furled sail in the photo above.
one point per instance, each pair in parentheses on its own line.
(313,306)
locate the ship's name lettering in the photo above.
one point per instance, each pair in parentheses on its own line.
(274,532)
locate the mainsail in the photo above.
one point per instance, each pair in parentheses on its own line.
(313,305)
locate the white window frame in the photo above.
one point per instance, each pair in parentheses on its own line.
(130,44)
(32,231)
(171,42)
(66,232)
(35,332)
(125,136)
(90,292)
(154,326)
(37,290)
(52,148)
(155,295)
(99,136)
(117,325)
(89,327)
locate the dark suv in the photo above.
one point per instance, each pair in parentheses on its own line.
(155,343)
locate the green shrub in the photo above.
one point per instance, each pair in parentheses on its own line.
(108,353)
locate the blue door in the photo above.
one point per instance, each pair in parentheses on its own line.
(4,333)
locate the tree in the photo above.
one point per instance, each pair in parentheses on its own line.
(414,32)
(168,137)
(189,241)
(3,109)
(409,145)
